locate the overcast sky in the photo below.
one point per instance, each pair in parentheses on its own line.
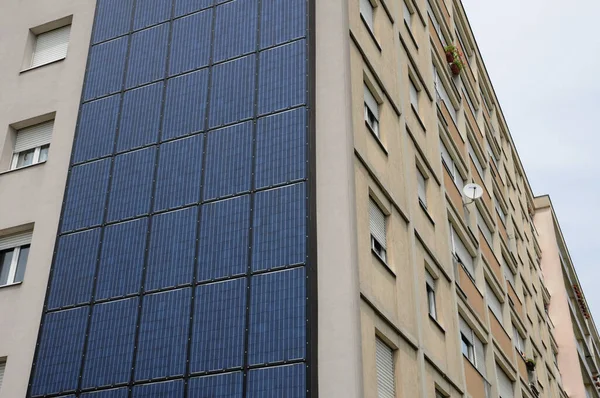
(543,58)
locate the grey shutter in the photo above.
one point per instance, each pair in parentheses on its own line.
(371,102)
(51,46)
(479,355)
(384,360)
(34,136)
(377,223)
(8,242)
(494,303)
(465,329)
(2,368)
(505,385)
(366,9)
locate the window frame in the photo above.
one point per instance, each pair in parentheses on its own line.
(379,342)
(430,283)
(14,164)
(452,168)
(476,161)
(422,187)
(35,50)
(377,247)
(413,93)
(406,12)
(369,97)
(370,18)
(13,267)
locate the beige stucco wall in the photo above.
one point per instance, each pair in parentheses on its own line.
(34,195)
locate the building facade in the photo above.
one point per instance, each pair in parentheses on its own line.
(263,198)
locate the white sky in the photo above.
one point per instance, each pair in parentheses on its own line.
(543,58)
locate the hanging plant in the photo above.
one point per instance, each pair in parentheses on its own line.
(454,59)
(450,51)
(456,67)
(530,363)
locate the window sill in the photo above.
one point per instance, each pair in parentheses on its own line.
(424,208)
(23,168)
(377,139)
(371,33)
(10,285)
(385,265)
(435,321)
(42,65)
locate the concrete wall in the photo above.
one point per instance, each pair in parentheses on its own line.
(33,196)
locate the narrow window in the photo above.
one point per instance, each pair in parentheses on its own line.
(475,159)
(378,233)
(367,11)
(483,227)
(371,111)
(384,360)
(2,368)
(430,287)
(505,385)
(14,250)
(407,15)
(500,211)
(32,145)
(414,95)
(494,303)
(461,254)
(450,165)
(422,188)
(51,46)
(472,348)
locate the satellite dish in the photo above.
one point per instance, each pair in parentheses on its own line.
(473,191)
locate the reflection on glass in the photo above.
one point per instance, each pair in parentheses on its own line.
(25,158)
(5,260)
(44,153)
(23,254)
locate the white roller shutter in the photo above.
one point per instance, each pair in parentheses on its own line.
(494,303)
(505,385)
(2,367)
(371,102)
(479,354)
(34,136)
(460,250)
(51,46)
(466,330)
(384,359)
(377,223)
(8,242)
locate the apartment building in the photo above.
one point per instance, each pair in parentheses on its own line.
(262,198)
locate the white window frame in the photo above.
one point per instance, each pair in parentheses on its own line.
(36,157)
(39,137)
(24,241)
(474,346)
(458,246)
(371,111)
(58,51)
(378,247)
(518,341)
(367,11)
(430,283)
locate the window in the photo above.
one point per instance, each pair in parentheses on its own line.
(494,303)
(50,46)
(491,153)
(371,111)
(384,361)
(460,252)
(450,165)
(414,95)
(366,11)
(439,394)
(14,250)
(422,188)
(505,385)
(472,348)
(436,23)
(469,103)
(483,227)
(407,15)
(500,211)
(508,274)
(442,94)
(2,368)
(32,145)
(475,159)
(377,227)
(430,288)
(518,341)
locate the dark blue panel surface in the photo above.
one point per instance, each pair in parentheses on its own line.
(179,173)
(151,12)
(224,234)
(228,385)
(86,195)
(131,184)
(163,334)
(235,29)
(232,94)
(97,126)
(183,7)
(185,104)
(228,161)
(110,344)
(140,118)
(277,317)
(122,259)
(113,18)
(113,393)
(148,55)
(166,389)
(282,77)
(279,227)
(190,48)
(282,21)
(219,325)
(282,381)
(105,77)
(171,252)
(74,268)
(281,145)
(59,352)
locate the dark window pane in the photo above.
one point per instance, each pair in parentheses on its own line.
(21,264)
(5,260)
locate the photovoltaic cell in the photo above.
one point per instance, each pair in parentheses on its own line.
(228,161)
(219,324)
(281,145)
(148,55)
(232,94)
(190,48)
(131,187)
(122,259)
(179,173)
(183,7)
(59,352)
(112,393)
(97,126)
(86,195)
(282,381)
(140,117)
(224,238)
(105,77)
(74,268)
(110,344)
(172,246)
(235,30)
(228,385)
(279,227)
(113,18)
(151,12)
(282,21)
(277,317)
(163,336)
(282,77)
(185,104)
(166,389)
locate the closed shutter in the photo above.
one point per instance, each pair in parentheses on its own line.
(494,303)
(51,46)
(8,242)
(479,355)
(460,250)
(34,136)
(366,9)
(371,103)
(505,385)
(466,330)
(2,367)
(377,223)
(384,359)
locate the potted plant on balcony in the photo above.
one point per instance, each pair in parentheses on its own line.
(451,53)
(530,363)
(454,59)
(456,67)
